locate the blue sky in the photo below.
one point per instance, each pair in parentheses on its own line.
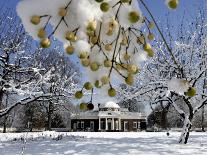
(157,7)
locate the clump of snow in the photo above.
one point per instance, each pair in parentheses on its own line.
(179,86)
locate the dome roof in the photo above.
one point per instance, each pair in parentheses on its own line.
(109,104)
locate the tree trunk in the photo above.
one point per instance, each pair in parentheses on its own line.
(186,130)
(50,111)
(4,124)
(202,119)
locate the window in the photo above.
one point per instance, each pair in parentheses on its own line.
(126,125)
(135,125)
(78,124)
(82,124)
(92,125)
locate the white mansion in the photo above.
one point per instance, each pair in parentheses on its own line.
(108,117)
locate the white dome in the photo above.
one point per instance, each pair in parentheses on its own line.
(109,104)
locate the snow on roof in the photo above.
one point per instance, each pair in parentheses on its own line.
(109,104)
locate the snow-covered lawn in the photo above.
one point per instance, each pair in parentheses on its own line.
(102,143)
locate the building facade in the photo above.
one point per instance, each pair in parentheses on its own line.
(108,117)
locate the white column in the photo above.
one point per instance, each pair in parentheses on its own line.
(99,122)
(138,125)
(119,123)
(112,123)
(106,124)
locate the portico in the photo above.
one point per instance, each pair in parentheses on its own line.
(109,124)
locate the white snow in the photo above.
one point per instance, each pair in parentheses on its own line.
(103,143)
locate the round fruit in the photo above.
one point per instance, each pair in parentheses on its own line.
(91,26)
(104,6)
(105,80)
(172,4)
(70,50)
(79,94)
(124,41)
(45,43)
(62,12)
(85,62)
(191,92)
(83,55)
(134,16)
(83,106)
(35,20)
(151,36)
(151,25)
(113,24)
(150,53)
(147,47)
(108,47)
(90,106)
(94,39)
(71,36)
(88,86)
(129,80)
(126,56)
(41,33)
(112,92)
(132,69)
(97,84)
(94,66)
(107,63)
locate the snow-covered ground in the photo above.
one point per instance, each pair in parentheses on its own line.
(102,143)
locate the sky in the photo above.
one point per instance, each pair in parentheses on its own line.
(157,7)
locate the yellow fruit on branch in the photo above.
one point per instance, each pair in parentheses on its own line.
(147,47)
(70,36)
(94,66)
(83,106)
(172,4)
(107,63)
(132,69)
(134,16)
(70,50)
(127,57)
(88,86)
(129,79)
(35,20)
(83,55)
(85,62)
(94,39)
(191,92)
(105,80)
(41,33)
(79,94)
(104,6)
(108,47)
(91,25)
(97,84)
(151,36)
(112,92)
(45,43)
